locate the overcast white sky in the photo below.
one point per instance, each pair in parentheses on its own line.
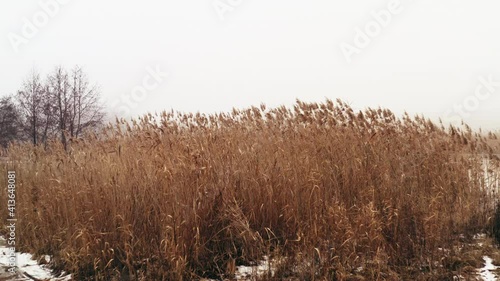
(426,58)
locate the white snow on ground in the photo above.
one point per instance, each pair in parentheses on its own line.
(249,272)
(486,272)
(27,267)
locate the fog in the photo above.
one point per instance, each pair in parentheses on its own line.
(438,59)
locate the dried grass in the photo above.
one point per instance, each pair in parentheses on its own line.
(340,195)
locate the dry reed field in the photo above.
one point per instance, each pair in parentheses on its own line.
(325,192)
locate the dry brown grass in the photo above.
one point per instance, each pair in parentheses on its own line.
(182,196)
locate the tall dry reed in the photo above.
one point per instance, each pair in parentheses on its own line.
(324,189)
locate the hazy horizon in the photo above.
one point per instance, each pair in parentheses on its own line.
(436,59)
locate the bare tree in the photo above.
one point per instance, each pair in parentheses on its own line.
(65,105)
(49,114)
(9,121)
(59,91)
(31,99)
(76,102)
(87,112)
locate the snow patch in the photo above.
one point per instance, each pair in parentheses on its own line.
(249,272)
(27,268)
(486,272)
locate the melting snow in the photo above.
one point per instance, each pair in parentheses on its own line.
(26,267)
(486,272)
(245,272)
